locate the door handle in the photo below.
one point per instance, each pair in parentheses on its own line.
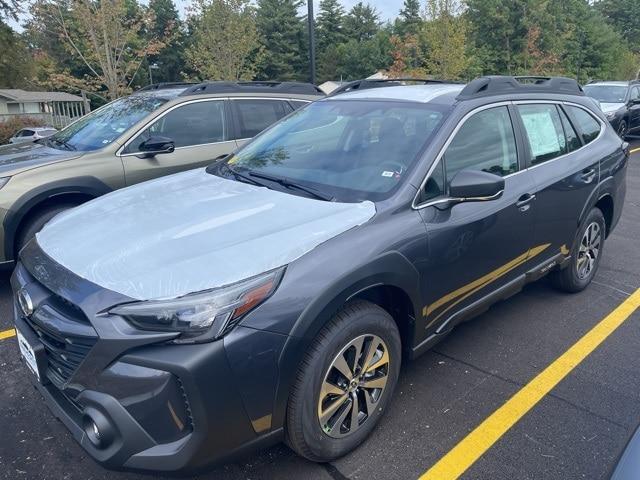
(588,175)
(524,201)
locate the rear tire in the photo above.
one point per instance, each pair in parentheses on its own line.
(329,414)
(35,223)
(585,255)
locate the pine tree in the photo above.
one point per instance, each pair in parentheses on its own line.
(329,35)
(330,24)
(409,21)
(282,34)
(362,22)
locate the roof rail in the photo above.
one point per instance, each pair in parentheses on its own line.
(504,85)
(253,87)
(165,86)
(367,83)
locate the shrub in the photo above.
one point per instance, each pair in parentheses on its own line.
(11,126)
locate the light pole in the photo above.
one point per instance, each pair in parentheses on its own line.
(312,43)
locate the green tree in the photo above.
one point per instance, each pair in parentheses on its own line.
(282,34)
(107,37)
(329,35)
(362,22)
(624,16)
(360,59)
(445,34)
(224,41)
(590,47)
(16,66)
(169,62)
(409,20)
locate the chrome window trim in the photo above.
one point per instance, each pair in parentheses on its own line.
(162,114)
(428,203)
(418,206)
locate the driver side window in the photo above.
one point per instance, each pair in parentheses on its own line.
(192,124)
(635,94)
(485,142)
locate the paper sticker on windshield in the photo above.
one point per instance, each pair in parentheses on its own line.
(387,174)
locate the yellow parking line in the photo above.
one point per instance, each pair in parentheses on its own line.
(7,334)
(635,150)
(474,445)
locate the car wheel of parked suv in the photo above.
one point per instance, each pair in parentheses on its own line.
(344,383)
(586,254)
(34,224)
(622,129)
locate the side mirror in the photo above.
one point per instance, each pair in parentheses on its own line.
(156,145)
(634,101)
(475,186)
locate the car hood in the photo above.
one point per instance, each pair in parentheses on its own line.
(190,232)
(611,107)
(22,156)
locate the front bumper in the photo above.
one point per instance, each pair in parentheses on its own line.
(158,406)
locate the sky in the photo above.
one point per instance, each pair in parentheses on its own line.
(388,9)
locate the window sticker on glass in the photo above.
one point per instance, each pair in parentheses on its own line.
(542,134)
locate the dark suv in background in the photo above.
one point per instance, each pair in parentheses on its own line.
(273,295)
(162,129)
(620,102)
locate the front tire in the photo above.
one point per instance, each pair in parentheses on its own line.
(586,255)
(623,129)
(35,223)
(344,383)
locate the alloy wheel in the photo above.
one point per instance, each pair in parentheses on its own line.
(622,129)
(588,250)
(353,385)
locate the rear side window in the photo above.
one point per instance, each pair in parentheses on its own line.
(588,125)
(573,142)
(544,130)
(256,115)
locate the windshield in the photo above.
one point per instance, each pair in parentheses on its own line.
(607,93)
(349,150)
(104,125)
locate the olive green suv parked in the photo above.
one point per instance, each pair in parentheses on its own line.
(157,131)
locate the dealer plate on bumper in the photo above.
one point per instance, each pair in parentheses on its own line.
(28,354)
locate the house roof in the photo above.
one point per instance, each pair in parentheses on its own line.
(18,95)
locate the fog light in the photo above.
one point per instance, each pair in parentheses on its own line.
(97,428)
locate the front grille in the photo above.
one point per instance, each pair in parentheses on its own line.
(66,340)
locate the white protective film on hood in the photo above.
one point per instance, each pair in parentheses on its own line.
(191,232)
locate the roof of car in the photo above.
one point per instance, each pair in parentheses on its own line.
(415,93)
(612,83)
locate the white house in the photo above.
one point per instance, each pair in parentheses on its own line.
(57,109)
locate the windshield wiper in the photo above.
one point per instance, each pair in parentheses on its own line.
(242,176)
(67,145)
(285,182)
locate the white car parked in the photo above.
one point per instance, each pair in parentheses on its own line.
(32,133)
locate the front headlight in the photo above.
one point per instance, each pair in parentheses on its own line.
(214,312)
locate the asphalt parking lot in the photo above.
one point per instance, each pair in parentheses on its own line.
(576,431)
